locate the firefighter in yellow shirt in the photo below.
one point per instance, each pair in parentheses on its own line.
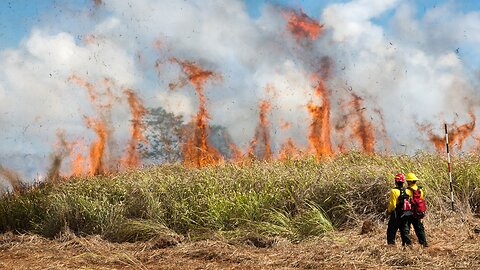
(397,212)
(414,220)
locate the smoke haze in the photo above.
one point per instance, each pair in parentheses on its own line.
(408,75)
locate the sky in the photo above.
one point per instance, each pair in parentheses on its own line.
(414,65)
(17,17)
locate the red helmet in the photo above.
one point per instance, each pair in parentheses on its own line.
(400,177)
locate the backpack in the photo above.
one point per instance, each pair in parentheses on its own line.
(419,207)
(403,203)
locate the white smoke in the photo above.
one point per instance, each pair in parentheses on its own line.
(409,68)
(410,71)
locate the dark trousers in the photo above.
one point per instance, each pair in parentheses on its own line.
(419,230)
(396,223)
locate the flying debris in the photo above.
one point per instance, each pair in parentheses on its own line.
(338,83)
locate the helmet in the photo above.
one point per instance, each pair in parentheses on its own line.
(400,177)
(411,177)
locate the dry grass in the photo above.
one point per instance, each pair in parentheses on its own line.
(297,214)
(453,245)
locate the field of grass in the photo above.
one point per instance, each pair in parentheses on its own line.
(294,214)
(294,199)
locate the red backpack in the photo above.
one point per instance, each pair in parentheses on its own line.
(419,207)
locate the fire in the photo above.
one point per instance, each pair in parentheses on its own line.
(86,85)
(260,146)
(302,26)
(78,160)
(319,135)
(236,152)
(197,151)
(137,109)
(97,148)
(363,129)
(289,150)
(353,128)
(101,125)
(456,134)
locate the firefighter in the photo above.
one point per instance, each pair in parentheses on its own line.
(414,220)
(395,210)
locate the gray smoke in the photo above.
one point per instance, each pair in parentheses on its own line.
(410,70)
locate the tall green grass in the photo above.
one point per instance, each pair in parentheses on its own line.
(295,199)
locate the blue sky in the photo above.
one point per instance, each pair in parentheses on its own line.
(17,17)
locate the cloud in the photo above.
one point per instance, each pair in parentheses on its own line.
(408,68)
(412,71)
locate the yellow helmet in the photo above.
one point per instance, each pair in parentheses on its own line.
(411,177)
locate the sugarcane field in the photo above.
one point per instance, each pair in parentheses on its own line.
(239,134)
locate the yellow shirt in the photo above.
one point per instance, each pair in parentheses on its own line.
(414,187)
(392,204)
(395,193)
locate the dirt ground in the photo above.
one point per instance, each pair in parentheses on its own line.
(454,244)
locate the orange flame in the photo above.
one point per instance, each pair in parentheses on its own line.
(260,145)
(137,109)
(456,134)
(197,151)
(78,161)
(236,152)
(301,26)
(289,150)
(85,84)
(320,128)
(97,148)
(363,129)
(98,162)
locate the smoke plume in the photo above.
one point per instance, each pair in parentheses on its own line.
(343,79)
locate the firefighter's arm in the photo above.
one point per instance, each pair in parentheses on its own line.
(392,204)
